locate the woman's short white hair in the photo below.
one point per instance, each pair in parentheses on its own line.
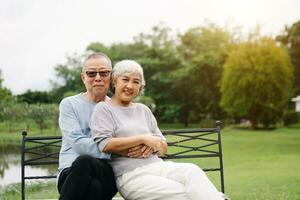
(128,67)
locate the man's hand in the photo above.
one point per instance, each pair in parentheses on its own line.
(147,152)
(140,151)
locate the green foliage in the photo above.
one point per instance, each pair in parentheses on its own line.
(40,113)
(171,113)
(204,51)
(256,81)
(291,39)
(53,115)
(14,113)
(5,97)
(183,73)
(69,93)
(290,117)
(68,78)
(32,97)
(148,101)
(160,59)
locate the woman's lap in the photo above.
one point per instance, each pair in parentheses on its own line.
(167,180)
(147,183)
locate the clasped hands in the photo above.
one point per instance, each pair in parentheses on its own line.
(151,144)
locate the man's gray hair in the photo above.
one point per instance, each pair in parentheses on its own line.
(128,67)
(96,55)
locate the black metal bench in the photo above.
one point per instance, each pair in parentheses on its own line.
(183,144)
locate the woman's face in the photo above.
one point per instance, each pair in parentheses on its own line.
(127,87)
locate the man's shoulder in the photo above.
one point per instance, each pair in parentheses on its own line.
(71,98)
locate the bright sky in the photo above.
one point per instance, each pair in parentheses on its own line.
(36,35)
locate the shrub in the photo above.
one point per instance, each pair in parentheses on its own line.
(291,117)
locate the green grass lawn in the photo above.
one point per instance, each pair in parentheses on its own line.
(259,165)
(262,164)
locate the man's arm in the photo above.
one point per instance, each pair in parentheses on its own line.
(73,134)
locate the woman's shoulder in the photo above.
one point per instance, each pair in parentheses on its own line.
(142,107)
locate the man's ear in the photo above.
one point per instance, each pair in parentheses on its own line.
(82,76)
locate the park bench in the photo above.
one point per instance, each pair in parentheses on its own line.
(184,145)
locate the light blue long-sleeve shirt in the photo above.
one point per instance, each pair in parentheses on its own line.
(74,117)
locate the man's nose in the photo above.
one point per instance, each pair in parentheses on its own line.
(98,77)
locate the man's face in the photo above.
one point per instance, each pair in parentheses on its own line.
(96,76)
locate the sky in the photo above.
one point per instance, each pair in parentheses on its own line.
(36,35)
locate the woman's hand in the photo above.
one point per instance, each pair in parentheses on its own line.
(151,141)
(140,151)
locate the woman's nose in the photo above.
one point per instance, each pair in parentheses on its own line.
(129,85)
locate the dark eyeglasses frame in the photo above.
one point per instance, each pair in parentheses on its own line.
(93,74)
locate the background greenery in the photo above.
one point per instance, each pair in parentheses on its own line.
(205,73)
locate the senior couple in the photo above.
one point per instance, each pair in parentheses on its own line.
(112,144)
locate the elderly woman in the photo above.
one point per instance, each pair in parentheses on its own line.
(120,123)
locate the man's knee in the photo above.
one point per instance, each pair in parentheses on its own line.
(82,159)
(96,167)
(83,163)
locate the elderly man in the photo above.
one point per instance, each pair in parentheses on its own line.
(83,170)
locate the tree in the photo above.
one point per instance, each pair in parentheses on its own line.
(32,97)
(160,58)
(290,38)
(204,51)
(5,97)
(5,94)
(256,81)
(40,113)
(68,78)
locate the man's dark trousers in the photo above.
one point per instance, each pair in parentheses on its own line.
(87,179)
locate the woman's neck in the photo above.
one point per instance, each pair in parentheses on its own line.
(118,102)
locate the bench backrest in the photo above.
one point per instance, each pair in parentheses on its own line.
(183,144)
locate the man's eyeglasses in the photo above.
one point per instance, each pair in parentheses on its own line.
(93,74)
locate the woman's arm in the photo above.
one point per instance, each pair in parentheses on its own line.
(163,148)
(115,145)
(119,144)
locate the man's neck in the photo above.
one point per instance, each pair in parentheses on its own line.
(88,96)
